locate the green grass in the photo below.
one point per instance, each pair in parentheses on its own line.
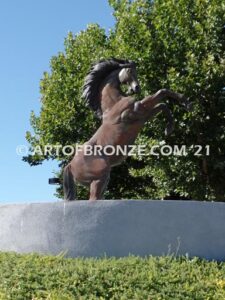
(57,278)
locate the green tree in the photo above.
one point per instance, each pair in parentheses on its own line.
(176,44)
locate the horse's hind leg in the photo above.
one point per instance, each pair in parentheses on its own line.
(98,187)
(68,184)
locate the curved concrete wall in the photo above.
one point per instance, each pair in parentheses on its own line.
(115,228)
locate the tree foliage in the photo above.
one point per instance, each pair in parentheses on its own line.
(177,45)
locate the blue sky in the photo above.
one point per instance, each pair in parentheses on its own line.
(31,33)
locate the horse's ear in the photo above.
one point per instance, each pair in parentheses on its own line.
(130,64)
(122,66)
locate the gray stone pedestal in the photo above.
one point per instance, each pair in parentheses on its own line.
(115,228)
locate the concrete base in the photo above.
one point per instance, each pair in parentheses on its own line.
(115,228)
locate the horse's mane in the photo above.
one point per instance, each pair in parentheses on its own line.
(98,72)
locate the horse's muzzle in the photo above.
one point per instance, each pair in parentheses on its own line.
(136,89)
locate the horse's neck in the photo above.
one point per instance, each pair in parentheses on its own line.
(110,93)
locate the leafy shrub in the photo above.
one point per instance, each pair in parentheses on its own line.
(37,277)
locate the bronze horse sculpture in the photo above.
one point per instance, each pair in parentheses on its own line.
(122,119)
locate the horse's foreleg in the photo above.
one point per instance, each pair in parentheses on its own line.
(162,107)
(151,101)
(98,187)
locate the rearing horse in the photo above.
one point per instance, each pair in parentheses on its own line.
(122,119)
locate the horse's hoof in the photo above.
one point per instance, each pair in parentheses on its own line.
(169,129)
(189,107)
(185,103)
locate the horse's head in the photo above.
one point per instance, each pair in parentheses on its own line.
(116,71)
(128,76)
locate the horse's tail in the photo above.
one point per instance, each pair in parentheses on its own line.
(68,184)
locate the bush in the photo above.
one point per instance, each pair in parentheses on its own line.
(36,277)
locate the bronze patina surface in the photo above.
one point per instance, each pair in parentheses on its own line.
(122,119)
